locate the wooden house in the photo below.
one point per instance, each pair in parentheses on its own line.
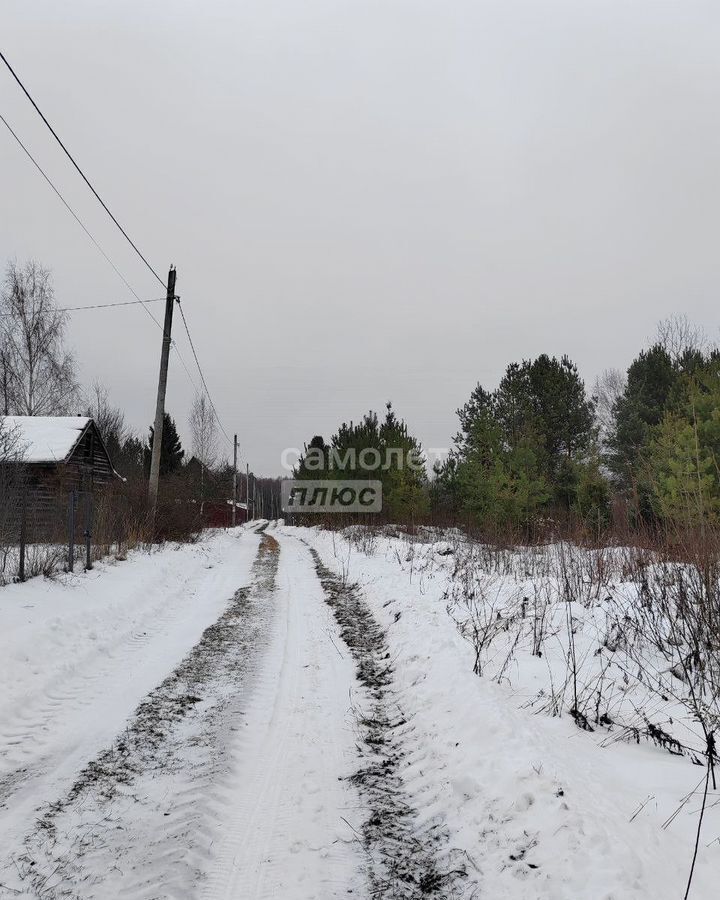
(54,456)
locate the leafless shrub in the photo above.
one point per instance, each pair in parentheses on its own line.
(342,555)
(363,538)
(44,559)
(678,621)
(583,574)
(541,604)
(474,604)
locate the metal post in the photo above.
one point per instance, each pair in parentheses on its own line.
(88,530)
(71,536)
(23,534)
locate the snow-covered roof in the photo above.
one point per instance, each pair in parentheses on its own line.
(46,439)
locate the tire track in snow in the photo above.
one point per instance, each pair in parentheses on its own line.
(407,859)
(289,837)
(136,822)
(29,736)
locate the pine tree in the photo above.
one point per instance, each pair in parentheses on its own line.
(480,404)
(499,485)
(651,380)
(679,467)
(374,450)
(313,464)
(563,414)
(404,485)
(524,445)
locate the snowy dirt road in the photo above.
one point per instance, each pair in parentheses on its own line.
(223,729)
(273,713)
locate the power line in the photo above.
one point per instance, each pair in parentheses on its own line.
(108,305)
(77,167)
(174,346)
(119,226)
(98,306)
(202,376)
(138,301)
(77,218)
(173,343)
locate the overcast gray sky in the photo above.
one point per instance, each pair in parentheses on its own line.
(367,199)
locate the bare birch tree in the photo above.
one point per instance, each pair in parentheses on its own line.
(203,432)
(110,420)
(37,374)
(607,389)
(5,375)
(679,336)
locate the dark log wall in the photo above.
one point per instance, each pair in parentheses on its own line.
(89,464)
(47,487)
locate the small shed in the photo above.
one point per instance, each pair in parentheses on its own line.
(57,455)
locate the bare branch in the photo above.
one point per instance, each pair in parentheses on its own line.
(37,374)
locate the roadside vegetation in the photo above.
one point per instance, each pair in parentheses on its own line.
(621,640)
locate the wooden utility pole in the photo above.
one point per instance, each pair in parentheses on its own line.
(234,513)
(162,389)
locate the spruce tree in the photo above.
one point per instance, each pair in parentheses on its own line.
(171,451)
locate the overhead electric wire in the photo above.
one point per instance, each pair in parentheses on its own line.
(119,226)
(184,365)
(107,305)
(77,218)
(138,301)
(202,376)
(77,167)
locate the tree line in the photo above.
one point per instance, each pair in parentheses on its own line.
(639,450)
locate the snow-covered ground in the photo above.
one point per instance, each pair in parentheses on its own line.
(79,653)
(542,808)
(290,713)
(179,724)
